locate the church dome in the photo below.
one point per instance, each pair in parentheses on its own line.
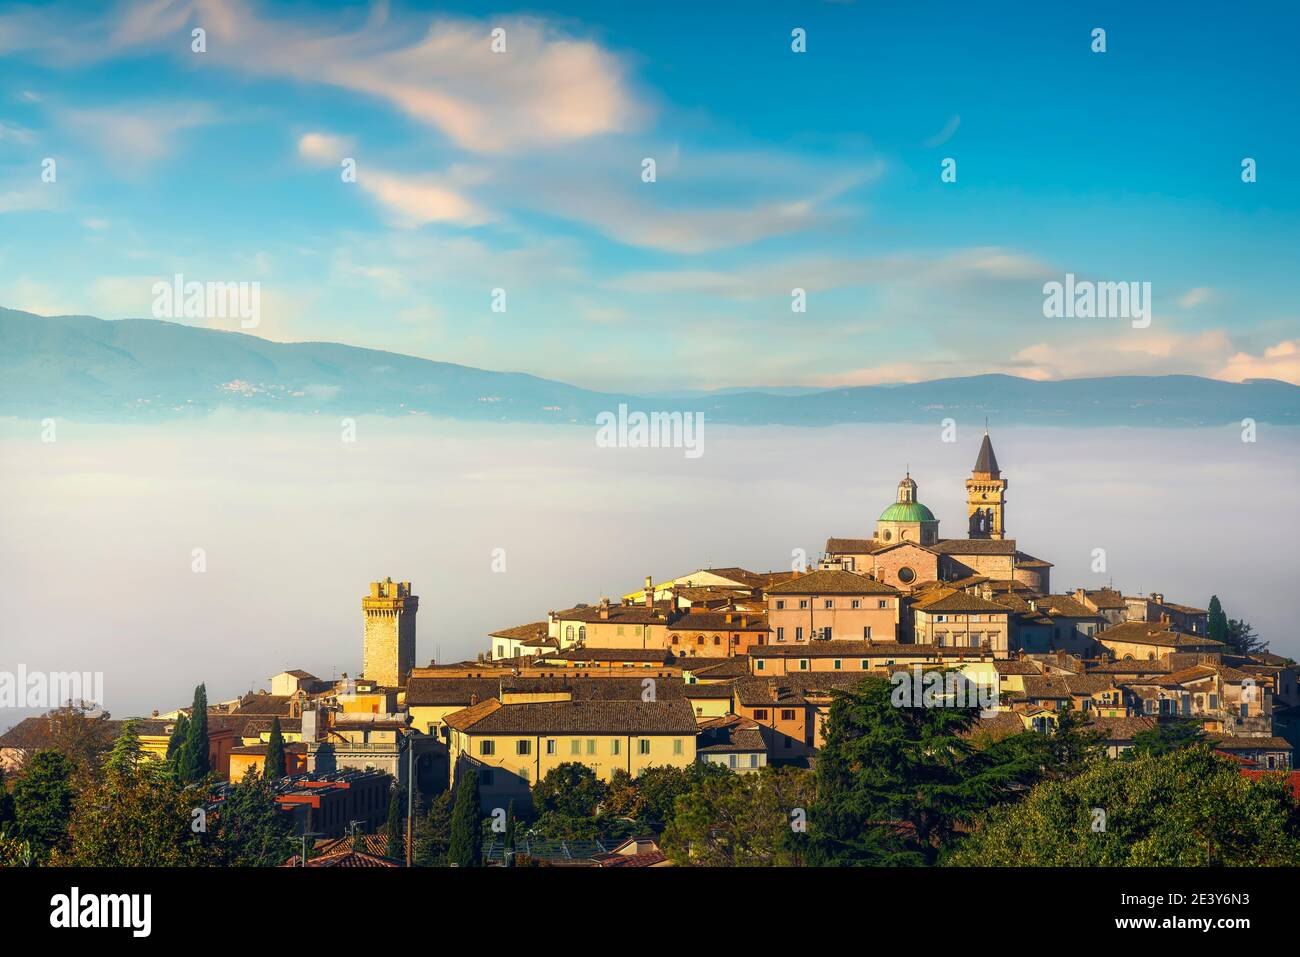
(907,512)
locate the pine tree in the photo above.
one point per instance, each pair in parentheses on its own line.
(195,762)
(125,756)
(43,802)
(275,752)
(466,848)
(395,847)
(433,832)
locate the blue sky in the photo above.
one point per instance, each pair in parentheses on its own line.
(775,170)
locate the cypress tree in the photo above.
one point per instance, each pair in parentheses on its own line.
(509,843)
(274,765)
(1218,621)
(395,848)
(195,762)
(466,848)
(176,743)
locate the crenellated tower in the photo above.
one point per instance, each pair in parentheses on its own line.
(389,652)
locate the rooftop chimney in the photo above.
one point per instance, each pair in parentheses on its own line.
(649,592)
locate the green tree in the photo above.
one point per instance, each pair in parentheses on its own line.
(1217,623)
(466,846)
(894,783)
(396,847)
(433,832)
(124,759)
(176,743)
(741,820)
(1171,734)
(1243,640)
(134,822)
(43,802)
(508,842)
(570,789)
(648,798)
(250,830)
(6,803)
(195,763)
(1184,808)
(275,752)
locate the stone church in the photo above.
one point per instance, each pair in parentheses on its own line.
(906,549)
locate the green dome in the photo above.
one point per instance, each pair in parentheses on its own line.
(907,512)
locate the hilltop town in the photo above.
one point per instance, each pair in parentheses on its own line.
(736,668)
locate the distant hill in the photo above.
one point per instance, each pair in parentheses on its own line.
(83,367)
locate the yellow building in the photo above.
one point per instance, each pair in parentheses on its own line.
(513,746)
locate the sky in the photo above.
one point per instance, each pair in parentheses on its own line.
(293,524)
(775,170)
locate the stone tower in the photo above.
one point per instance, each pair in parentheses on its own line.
(389,653)
(986,495)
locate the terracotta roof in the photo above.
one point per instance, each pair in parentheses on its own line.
(1024,560)
(448,691)
(577,717)
(467,717)
(975,546)
(851,546)
(1240,743)
(659,655)
(717,621)
(535,629)
(637,614)
(1152,633)
(832,583)
(1065,606)
(1065,686)
(1106,598)
(839,648)
(1014,666)
(792,690)
(262,703)
(960,602)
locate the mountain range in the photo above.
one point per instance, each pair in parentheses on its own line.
(89,368)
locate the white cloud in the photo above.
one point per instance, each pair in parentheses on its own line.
(325,148)
(134,136)
(416,200)
(1281,361)
(1195,297)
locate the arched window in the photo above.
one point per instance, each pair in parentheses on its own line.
(717,640)
(699,640)
(674,639)
(582,632)
(568,632)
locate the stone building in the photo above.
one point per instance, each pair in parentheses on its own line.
(389,652)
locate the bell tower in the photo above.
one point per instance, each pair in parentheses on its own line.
(986,495)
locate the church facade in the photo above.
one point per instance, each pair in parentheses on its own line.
(906,549)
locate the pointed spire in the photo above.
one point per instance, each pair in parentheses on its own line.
(986,461)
